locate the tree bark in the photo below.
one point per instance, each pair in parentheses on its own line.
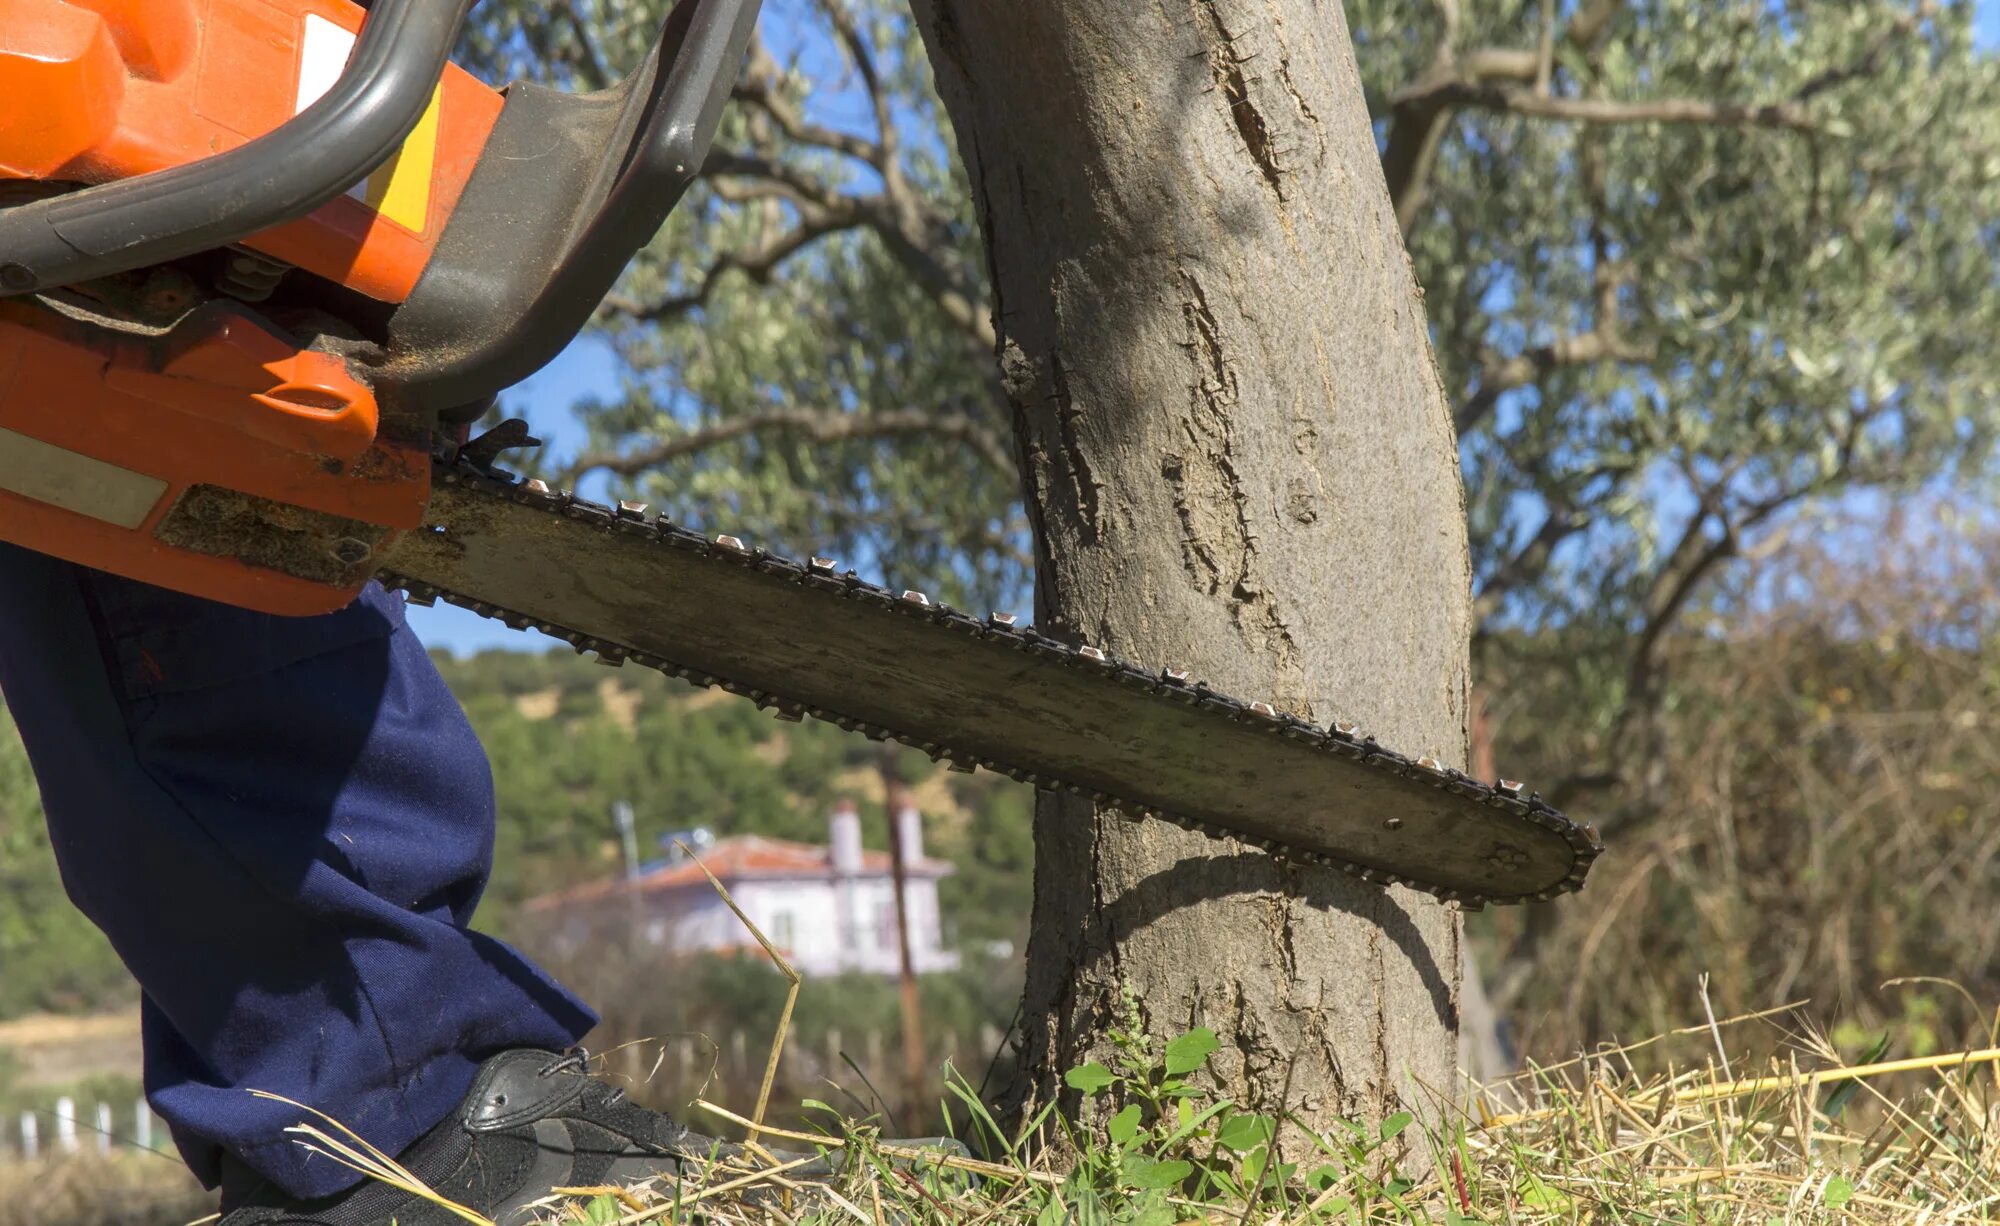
(1238,458)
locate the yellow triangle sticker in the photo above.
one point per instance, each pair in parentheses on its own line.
(400,189)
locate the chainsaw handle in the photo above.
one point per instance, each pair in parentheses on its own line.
(278,177)
(521,268)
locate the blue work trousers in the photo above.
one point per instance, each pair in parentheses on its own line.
(283,825)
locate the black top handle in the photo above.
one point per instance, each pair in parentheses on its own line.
(281,176)
(570,187)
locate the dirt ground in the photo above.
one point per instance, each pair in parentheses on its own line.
(58,1051)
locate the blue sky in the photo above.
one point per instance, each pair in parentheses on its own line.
(588,369)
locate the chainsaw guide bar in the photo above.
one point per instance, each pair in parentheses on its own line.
(804,638)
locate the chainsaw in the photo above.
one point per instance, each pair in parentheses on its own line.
(264,262)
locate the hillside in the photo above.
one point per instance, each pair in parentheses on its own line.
(568,738)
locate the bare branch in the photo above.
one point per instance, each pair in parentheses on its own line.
(762,92)
(841,18)
(1501,375)
(818,426)
(902,231)
(594,72)
(1484,96)
(757,263)
(1529,562)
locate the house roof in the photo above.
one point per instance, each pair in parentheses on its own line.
(748,857)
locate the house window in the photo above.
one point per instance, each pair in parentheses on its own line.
(782,930)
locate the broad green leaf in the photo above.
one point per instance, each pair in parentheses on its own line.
(1245,1132)
(1090,1078)
(1394,1125)
(1143,1172)
(1838,1192)
(1190,1051)
(1123,1126)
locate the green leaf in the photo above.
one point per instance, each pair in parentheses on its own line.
(1838,1192)
(1253,1166)
(1124,1126)
(1190,1051)
(1154,1215)
(1394,1125)
(1537,1195)
(1151,1174)
(1090,1078)
(602,1211)
(1245,1132)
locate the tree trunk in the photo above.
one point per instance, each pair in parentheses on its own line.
(1238,459)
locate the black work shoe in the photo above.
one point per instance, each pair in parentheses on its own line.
(532,1122)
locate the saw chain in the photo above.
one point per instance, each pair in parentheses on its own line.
(630,587)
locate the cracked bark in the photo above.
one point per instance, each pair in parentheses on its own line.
(1238,458)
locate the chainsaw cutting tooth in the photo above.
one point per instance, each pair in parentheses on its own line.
(632,510)
(1510,787)
(1347,728)
(917,598)
(1003,620)
(1093,654)
(824,566)
(1264,709)
(1177,676)
(733,544)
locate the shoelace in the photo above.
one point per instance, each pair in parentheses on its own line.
(578,1061)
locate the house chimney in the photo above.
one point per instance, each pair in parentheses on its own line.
(910,833)
(846,838)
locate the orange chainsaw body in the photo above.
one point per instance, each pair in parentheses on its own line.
(262,262)
(101,90)
(107,432)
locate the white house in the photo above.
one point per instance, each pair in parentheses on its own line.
(828,908)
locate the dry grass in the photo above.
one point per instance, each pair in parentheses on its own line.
(1803,1138)
(131,1189)
(1806,1139)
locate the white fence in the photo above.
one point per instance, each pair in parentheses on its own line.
(64,1128)
(724,1066)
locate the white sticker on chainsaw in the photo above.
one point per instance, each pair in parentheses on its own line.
(400,189)
(76,482)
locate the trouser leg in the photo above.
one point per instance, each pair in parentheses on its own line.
(283,825)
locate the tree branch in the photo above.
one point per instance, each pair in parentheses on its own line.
(1499,375)
(1514,81)
(818,426)
(1529,562)
(1484,96)
(757,263)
